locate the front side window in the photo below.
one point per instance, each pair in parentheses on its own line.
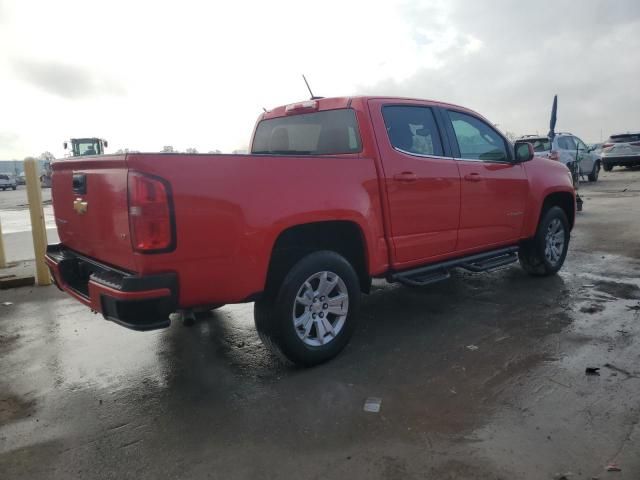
(581,145)
(477,140)
(330,132)
(412,129)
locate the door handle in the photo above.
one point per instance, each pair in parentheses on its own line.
(473,177)
(405,177)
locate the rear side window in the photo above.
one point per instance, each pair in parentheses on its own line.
(320,133)
(629,137)
(477,140)
(566,143)
(412,129)
(4,177)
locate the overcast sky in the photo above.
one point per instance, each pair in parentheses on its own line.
(197,73)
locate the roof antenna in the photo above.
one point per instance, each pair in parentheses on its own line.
(313,97)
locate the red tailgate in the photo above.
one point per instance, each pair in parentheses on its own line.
(91,210)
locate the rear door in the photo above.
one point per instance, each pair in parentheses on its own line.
(423,185)
(566,149)
(494,188)
(91,208)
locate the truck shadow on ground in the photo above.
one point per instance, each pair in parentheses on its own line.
(442,353)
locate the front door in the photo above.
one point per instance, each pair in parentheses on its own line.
(494,188)
(422,184)
(585,158)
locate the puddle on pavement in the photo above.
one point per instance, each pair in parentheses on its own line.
(627,291)
(13,407)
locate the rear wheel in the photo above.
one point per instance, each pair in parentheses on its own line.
(545,253)
(607,167)
(312,316)
(593,176)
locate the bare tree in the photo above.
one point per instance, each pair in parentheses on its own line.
(168,149)
(214,151)
(47,157)
(510,135)
(191,150)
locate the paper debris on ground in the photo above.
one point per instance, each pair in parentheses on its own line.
(372,404)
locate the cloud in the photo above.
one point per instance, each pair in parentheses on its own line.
(8,139)
(66,81)
(507,62)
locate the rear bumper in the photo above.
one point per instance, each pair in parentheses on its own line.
(136,302)
(621,160)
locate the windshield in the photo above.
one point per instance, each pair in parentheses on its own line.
(86,147)
(541,144)
(319,133)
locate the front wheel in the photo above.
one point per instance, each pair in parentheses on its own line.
(312,316)
(545,253)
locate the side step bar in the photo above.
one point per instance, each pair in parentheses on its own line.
(480,262)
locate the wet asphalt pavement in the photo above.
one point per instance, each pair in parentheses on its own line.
(83,398)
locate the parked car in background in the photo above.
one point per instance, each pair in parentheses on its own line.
(20,179)
(567,148)
(621,149)
(7,181)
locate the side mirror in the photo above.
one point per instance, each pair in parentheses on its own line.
(106,144)
(64,145)
(524,151)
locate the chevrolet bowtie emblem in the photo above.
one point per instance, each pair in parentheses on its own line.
(80,206)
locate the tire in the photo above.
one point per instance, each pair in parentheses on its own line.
(593,176)
(533,255)
(607,167)
(13,188)
(311,342)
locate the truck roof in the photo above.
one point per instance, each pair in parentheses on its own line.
(332,103)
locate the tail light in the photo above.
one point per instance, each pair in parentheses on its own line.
(302,107)
(607,145)
(150,214)
(553,155)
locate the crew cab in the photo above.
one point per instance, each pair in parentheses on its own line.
(335,192)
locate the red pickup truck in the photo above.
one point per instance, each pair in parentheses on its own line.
(335,192)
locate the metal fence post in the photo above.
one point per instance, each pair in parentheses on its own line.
(38,230)
(3,257)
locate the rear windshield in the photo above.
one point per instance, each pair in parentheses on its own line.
(319,133)
(627,137)
(542,144)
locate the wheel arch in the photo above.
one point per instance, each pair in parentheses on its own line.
(564,200)
(344,237)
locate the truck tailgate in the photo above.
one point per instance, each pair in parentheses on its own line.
(91,208)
